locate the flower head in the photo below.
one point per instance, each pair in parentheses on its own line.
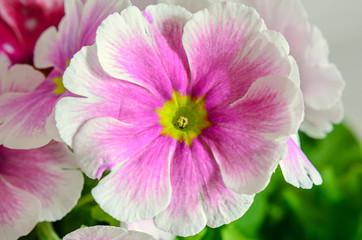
(36,185)
(190,112)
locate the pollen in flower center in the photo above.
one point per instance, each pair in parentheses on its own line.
(60,89)
(183,117)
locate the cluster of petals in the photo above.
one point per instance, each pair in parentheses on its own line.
(321,82)
(27,103)
(22,22)
(36,185)
(106,232)
(223,55)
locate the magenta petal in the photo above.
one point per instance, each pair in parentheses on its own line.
(102,143)
(155,59)
(297,169)
(184,216)
(48,173)
(140,187)
(19,211)
(229,48)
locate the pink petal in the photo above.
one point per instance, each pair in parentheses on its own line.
(19,78)
(102,143)
(48,173)
(28,19)
(105,97)
(221,205)
(246,137)
(184,216)
(149,227)
(19,211)
(296,168)
(156,59)
(248,52)
(77,29)
(106,233)
(140,187)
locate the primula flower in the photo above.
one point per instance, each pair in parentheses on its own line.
(149,227)
(191,112)
(36,185)
(106,232)
(27,114)
(22,22)
(321,82)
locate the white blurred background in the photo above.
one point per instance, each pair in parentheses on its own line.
(341,23)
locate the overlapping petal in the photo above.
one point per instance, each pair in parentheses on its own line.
(106,232)
(296,168)
(248,52)
(156,59)
(140,187)
(77,29)
(40,185)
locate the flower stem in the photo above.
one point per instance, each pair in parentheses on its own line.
(46,231)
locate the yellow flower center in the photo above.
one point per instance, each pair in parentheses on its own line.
(183,117)
(60,89)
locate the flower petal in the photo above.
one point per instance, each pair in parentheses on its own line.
(192,6)
(155,59)
(106,232)
(19,78)
(184,216)
(248,137)
(105,97)
(140,187)
(19,211)
(149,227)
(221,205)
(48,173)
(296,168)
(102,143)
(248,52)
(23,118)
(77,29)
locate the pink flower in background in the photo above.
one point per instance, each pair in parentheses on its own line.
(36,185)
(106,233)
(22,22)
(321,82)
(191,112)
(27,98)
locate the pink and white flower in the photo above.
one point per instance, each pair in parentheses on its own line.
(191,112)
(27,114)
(106,232)
(22,22)
(320,81)
(36,185)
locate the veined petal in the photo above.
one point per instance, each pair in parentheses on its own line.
(23,118)
(19,78)
(140,187)
(248,138)
(184,216)
(106,232)
(155,59)
(149,227)
(248,52)
(296,168)
(48,173)
(102,96)
(221,205)
(77,29)
(102,143)
(19,211)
